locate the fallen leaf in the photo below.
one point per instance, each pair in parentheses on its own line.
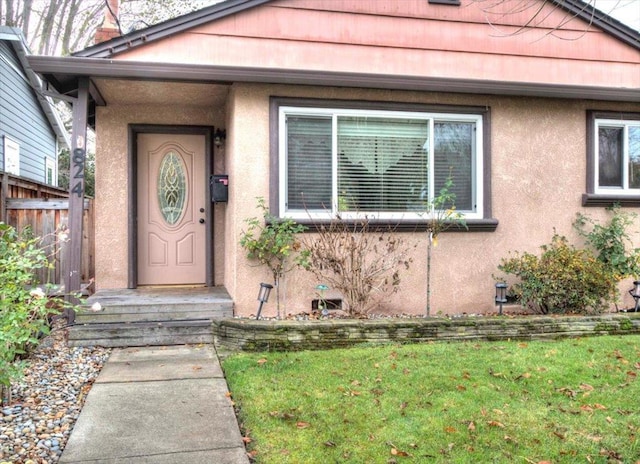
(196,368)
(586,387)
(561,436)
(302,425)
(522,345)
(246,440)
(330,444)
(261,361)
(397,452)
(461,388)
(599,406)
(471,426)
(495,424)
(450,429)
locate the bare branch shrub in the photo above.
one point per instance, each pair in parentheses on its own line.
(360,259)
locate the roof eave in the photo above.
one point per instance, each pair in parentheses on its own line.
(18,43)
(67,69)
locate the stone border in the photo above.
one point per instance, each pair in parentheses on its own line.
(269,335)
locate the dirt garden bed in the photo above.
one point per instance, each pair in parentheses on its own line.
(291,335)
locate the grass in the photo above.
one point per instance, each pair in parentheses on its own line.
(575,400)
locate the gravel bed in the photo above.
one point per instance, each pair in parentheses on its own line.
(46,402)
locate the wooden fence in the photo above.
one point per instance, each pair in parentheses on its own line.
(24,204)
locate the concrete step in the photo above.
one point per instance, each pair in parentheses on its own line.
(123,334)
(150,316)
(154,313)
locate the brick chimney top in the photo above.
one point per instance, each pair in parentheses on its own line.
(110,28)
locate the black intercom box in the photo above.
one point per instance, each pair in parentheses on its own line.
(219,188)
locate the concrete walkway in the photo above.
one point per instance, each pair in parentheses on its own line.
(160,405)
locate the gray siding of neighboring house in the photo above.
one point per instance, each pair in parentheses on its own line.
(22,119)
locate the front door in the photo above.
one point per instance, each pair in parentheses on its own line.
(171,209)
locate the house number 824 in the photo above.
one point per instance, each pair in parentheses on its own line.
(78,169)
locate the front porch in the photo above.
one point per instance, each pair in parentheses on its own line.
(150,316)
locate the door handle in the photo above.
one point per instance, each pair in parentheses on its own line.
(201,221)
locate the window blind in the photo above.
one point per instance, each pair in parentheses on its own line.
(382,163)
(309,165)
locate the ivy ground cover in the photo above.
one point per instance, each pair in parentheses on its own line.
(574,400)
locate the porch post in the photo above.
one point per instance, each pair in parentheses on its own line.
(77,157)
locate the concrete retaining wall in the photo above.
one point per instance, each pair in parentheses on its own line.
(252,335)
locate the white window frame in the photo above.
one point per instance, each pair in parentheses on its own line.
(619,124)
(432,117)
(11,156)
(50,163)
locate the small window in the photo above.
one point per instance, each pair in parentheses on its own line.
(11,156)
(50,175)
(388,163)
(614,155)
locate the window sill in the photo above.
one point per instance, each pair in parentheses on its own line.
(596,199)
(473,225)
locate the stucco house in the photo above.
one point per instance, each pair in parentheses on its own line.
(357,105)
(31,131)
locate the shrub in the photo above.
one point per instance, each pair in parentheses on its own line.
(270,241)
(23,307)
(611,241)
(562,279)
(359,259)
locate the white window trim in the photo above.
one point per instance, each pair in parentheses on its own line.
(618,123)
(50,163)
(477,165)
(11,166)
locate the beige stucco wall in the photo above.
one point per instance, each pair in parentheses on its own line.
(112,184)
(538,161)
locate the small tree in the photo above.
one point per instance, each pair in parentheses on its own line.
(270,241)
(442,215)
(360,259)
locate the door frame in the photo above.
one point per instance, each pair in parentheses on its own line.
(132,171)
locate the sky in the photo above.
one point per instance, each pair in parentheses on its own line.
(626,11)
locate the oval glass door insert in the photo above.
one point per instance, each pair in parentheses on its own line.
(172,190)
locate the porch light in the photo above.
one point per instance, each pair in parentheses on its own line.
(635,293)
(501,295)
(263,296)
(219,136)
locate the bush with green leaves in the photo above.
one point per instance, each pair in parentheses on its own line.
(563,279)
(611,241)
(270,241)
(23,306)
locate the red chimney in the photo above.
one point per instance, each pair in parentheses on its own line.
(109,28)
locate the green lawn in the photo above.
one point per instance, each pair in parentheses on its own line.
(574,400)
